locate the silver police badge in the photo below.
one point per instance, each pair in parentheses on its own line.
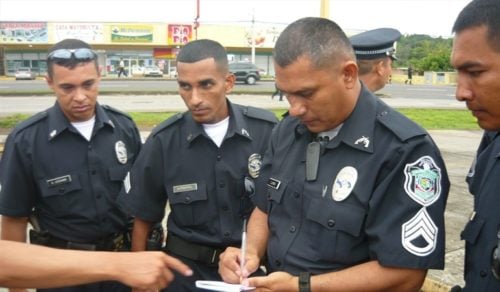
(344,183)
(423,181)
(254,164)
(121,152)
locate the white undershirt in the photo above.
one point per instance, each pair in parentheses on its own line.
(332,133)
(85,128)
(217,131)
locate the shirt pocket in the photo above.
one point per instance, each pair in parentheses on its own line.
(275,195)
(189,207)
(116,175)
(60,195)
(334,229)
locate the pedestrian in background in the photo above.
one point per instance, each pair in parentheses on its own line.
(277,92)
(375,50)
(121,68)
(351,195)
(476,57)
(63,168)
(410,75)
(203,162)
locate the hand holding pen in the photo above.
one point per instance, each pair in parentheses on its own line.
(243,250)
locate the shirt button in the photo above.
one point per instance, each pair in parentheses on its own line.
(331,223)
(187,199)
(292,229)
(277,263)
(219,157)
(98,196)
(221,184)
(225,208)
(93,172)
(90,147)
(104,219)
(296,195)
(61,190)
(227,233)
(483,274)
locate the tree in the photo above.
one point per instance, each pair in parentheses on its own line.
(424,53)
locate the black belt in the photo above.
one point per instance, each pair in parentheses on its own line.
(193,251)
(114,242)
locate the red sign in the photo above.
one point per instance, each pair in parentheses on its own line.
(179,34)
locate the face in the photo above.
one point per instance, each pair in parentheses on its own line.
(76,90)
(203,87)
(320,98)
(478,67)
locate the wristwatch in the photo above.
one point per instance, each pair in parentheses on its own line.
(305,282)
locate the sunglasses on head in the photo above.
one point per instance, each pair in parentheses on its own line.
(78,54)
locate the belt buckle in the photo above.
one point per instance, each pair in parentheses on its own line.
(80,246)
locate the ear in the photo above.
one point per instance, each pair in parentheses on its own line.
(230,80)
(49,80)
(350,73)
(379,68)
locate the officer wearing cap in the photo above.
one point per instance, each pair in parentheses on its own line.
(375,51)
(63,168)
(203,162)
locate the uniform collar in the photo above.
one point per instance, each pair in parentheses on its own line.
(58,122)
(237,125)
(357,131)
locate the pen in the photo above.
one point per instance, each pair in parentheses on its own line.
(243,247)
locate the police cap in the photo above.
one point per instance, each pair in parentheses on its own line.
(376,43)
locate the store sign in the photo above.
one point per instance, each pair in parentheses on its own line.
(179,34)
(23,32)
(87,32)
(122,33)
(165,53)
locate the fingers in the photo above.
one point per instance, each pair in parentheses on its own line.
(177,265)
(229,267)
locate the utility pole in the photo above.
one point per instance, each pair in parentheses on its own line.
(324,9)
(253,36)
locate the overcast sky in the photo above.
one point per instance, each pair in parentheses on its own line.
(432,17)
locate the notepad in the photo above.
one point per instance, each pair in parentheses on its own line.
(222,286)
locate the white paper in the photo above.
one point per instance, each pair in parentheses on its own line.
(222,286)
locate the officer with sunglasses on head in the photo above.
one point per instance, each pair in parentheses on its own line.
(62,169)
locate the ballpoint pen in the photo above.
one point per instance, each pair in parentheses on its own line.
(243,248)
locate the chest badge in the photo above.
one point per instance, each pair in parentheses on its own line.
(344,183)
(121,152)
(254,164)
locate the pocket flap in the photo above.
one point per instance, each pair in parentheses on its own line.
(118,173)
(187,193)
(334,216)
(59,186)
(472,230)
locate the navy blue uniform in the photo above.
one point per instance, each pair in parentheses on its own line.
(480,233)
(70,184)
(380,194)
(204,184)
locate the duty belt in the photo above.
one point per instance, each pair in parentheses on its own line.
(115,242)
(193,251)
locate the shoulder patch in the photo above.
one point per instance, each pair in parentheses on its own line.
(167,123)
(115,110)
(31,121)
(261,114)
(401,126)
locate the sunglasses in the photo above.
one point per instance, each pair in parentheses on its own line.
(78,54)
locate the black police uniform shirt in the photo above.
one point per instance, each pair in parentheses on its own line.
(380,194)
(480,233)
(203,183)
(69,182)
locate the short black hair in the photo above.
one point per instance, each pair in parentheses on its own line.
(320,39)
(68,44)
(479,13)
(198,50)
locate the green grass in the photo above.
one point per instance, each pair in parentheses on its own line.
(430,119)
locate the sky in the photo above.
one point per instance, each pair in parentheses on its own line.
(431,17)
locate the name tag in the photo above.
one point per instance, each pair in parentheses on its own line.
(185,188)
(274,183)
(59,180)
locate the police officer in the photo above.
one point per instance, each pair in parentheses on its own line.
(64,166)
(362,208)
(203,162)
(375,50)
(476,57)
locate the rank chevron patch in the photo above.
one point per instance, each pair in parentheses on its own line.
(419,234)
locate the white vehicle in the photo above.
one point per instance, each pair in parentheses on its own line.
(25,73)
(152,71)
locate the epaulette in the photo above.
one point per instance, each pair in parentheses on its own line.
(167,123)
(261,114)
(399,124)
(31,121)
(115,110)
